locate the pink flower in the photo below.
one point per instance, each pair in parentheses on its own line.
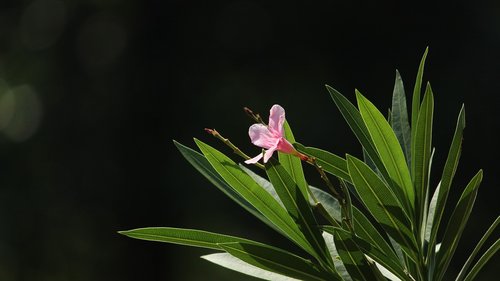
(271,137)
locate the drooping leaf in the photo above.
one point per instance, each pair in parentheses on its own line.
(456,225)
(390,152)
(298,207)
(182,236)
(247,188)
(293,164)
(421,147)
(399,117)
(382,204)
(330,162)
(483,260)
(203,166)
(230,262)
(485,237)
(358,127)
(278,261)
(450,167)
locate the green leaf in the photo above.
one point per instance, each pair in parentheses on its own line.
(230,262)
(182,236)
(421,147)
(330,162)
(339,265)
(415,104)
(431,213)
(399,117)
(366,231)
(390,152)
(446,179)
(377,255)
(485,237)
(355,121)
(382,204)
(483,260)
(264,183)
(247,188)
(353,258)
(298,207)
(331,205)
(456,225)
(203,166)
(293,164)
(278,261)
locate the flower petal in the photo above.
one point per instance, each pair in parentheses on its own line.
(269,153)
(277,119)
(285,146)
(255,159)
(261,136)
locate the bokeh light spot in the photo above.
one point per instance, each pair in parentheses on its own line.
(20,113)
(42,23)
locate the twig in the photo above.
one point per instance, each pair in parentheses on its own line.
(255,116)
(227,142)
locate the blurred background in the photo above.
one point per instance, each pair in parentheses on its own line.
(92,93)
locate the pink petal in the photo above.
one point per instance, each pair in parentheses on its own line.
(285,146)
(269,153)
(261,136)
(255,159)
(277,119)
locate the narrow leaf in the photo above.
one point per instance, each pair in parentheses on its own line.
(421,146)
(390,152)
(366,231)
(353,258)
(431,213)
(298,207)
(399,117)
(382,204)
(331,204)
(357,125)
(230,262)
(485,237)
(456,225)
(182,236)
(415,105)
(450,167)
(293,164)
(339,265)
(277,261)
(242,183)
(483,260)
(377,255)
(203,166)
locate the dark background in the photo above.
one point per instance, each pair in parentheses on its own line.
(93,92)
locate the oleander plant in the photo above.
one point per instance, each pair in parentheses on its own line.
(375,218)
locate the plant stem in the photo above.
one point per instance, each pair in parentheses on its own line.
(227,142)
